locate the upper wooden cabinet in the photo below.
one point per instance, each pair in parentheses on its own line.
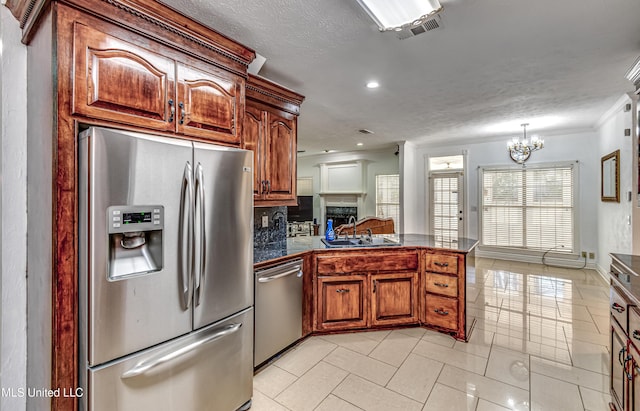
(208,104)
(119,81)
(270,131)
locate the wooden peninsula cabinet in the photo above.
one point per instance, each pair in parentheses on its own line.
(361,289)
(388,287)
(270,131)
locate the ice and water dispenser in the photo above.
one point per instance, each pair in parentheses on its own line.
(135,240)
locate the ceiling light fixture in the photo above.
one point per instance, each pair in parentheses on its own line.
(360,144)
(393,15)
(520,150)
(373,84)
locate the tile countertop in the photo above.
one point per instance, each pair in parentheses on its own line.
(299,245)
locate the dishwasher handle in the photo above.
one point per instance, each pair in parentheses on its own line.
(296,270)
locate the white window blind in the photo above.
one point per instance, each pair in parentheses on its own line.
(529,208)
(388,196)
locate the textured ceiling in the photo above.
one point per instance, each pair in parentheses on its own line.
(494,64)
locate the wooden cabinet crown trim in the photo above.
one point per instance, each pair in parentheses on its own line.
(165,24)
(27,12)
(278,96)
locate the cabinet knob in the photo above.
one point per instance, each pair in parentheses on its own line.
(441,312)
(342,290)
(441,285)
(439,264)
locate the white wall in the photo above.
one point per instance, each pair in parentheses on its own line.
(411,208)
(378,162)
(560,147)
(13,343)
(614,219)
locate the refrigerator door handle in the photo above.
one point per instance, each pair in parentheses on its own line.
(185,253)
(296,270)
(201,237)
(178,350)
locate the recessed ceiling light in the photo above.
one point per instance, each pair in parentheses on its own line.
(360,144)
(373,84)
(329,151)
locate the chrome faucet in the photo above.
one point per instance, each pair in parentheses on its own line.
(354,224)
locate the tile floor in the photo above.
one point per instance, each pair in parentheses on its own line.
(540,343)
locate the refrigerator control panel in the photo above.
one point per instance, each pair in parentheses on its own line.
(125,219)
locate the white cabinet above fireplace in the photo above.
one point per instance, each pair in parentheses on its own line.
(343,178)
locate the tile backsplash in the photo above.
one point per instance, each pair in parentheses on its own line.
(271,239)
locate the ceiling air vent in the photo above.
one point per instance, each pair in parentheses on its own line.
(412,31)
(365,131)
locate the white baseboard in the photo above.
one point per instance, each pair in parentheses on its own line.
(536,259)
(604,274)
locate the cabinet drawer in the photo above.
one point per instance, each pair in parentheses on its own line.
(367,262)
(619,305)
(442,284)
(634,326)
(442,263)
(442,312)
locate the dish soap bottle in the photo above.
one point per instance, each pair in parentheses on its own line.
(330,235)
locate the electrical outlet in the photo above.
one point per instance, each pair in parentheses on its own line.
(265,221)
(592,256)
(584,254)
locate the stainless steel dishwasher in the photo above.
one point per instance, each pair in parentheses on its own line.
(278,309)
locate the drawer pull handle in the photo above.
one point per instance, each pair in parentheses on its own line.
(439,264)
(342,290)
(441,285)
(617,307)
(441,312)
(622,351)
(636,334)
(629,373)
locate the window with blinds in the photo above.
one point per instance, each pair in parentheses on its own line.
(529,208)
(388,196)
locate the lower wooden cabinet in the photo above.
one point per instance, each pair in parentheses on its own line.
(394,298)
(357,289)
(342,302)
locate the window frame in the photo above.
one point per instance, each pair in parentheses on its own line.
(574,165)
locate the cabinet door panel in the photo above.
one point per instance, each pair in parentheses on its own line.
(116,80)
(208,104)
(280,166)
(342,302)
(394,298)
(253,137)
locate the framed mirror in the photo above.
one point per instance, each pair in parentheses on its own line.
(610,177)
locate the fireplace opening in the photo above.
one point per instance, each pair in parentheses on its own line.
(340,215)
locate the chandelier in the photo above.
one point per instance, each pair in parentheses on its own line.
(520,150)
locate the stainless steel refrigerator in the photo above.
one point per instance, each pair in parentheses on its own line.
(166,273)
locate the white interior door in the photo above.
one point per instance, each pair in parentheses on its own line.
(446,211)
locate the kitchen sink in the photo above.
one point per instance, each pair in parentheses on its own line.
(359,242)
